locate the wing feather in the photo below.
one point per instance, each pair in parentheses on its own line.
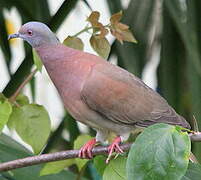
(123,98)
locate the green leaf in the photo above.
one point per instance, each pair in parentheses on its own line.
(116,169)
(2,97)
(160,152)
(5,111)
(10,149)
(12,118)
(37,60)
(22,100)
(193,172)
(74,42)
(128,36)
(79,142)
(32,123)
(100,45)
(99,163)
(56,167)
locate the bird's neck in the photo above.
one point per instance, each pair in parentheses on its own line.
(54,52)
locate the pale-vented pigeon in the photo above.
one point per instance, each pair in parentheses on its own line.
(97,93)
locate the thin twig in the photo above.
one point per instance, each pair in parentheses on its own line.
(86,30)
(39,159)
(17,92)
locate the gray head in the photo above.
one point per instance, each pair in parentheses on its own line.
(36,34)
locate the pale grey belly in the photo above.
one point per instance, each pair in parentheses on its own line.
(82,113)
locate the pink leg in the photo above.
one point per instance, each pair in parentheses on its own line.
(114,147)
(85,151)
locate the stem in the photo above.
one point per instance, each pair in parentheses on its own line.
(17,92)
(83,30)
(86,29)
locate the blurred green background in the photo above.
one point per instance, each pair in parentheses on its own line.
(167,31)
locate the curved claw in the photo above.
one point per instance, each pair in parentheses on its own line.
(114,147)
(85,151)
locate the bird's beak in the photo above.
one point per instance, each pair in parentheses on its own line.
(12,36)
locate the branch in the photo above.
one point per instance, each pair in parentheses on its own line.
(28,78)
(39,159)
(195,136)
(57,156)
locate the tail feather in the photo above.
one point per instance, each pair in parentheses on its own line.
(172,120)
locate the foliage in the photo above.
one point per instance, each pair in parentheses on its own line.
(98,40)
(5,111)
(37,60)
(159,152)
(32,124)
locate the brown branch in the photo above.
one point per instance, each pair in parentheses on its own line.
(57,156)
(195,136)
(39,159)
(17,92)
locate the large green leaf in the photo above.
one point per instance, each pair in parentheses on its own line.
(32,123)
(160,152)
(116,169)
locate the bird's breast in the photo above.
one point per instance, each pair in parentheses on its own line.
(69,78)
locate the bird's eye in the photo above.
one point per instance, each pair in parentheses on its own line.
(30,33)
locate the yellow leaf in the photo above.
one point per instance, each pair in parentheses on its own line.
(123,35)
(93,17)
(128,36)
(100,45)
(74,42)
(118,35)
(115,18)
(97,26)
(103,31)
(121,26)
(119,30)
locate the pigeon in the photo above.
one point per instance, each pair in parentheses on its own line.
(97,93)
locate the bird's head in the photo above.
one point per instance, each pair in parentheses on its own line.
(36,34)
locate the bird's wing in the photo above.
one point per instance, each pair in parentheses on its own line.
(123,98)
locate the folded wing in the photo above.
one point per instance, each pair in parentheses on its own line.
(124,99)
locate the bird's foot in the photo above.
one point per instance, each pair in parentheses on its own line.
(86,150)
(114,147)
